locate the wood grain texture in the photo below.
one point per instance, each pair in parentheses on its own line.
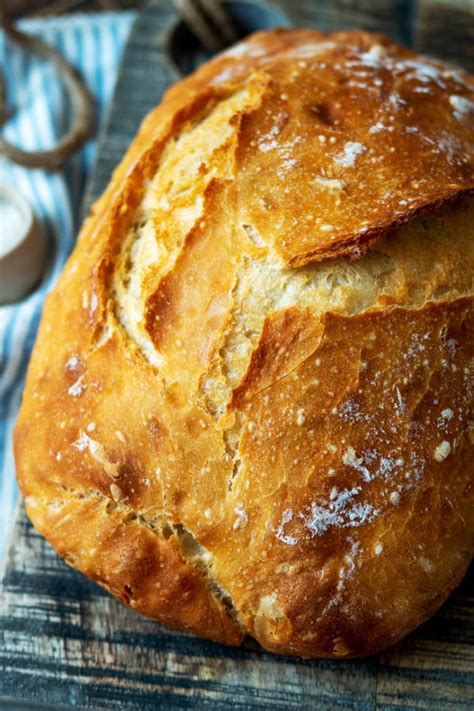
(66,643)
(445,28)
(392,17)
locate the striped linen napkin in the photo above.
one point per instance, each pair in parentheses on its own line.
(94,44)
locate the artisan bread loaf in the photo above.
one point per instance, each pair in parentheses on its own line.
(248,407)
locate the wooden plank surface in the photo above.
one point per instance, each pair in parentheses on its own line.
(66,643)
(445,28)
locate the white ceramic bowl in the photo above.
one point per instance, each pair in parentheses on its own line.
(22,246)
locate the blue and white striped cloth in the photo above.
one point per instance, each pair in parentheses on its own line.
(93,43)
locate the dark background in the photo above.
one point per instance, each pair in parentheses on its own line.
(38,8)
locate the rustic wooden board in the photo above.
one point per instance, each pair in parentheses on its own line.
(445,28)
(66,643)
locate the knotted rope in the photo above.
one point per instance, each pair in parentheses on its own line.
(207,19)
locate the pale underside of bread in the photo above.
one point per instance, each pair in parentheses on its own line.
(248,410)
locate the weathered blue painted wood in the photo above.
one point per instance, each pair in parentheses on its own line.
(445,28)
(65,643)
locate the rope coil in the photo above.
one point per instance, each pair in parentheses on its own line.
(207,19)
(81,100)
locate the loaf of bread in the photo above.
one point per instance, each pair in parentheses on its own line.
(248,409)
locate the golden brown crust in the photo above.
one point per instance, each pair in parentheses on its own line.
(238,422)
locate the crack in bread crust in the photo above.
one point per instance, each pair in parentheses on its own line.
(148,251)
(160,525)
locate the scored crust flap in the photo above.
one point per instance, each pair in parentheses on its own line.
(360,135)
(357,132)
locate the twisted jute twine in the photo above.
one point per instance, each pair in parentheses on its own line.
(207,20)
